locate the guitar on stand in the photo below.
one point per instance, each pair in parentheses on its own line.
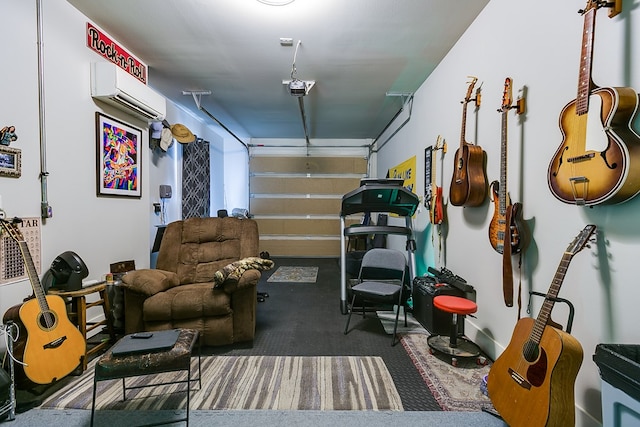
(532,382)
(508,233)
(469,183)
(54,346)
(599,159)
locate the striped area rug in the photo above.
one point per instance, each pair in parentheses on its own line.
(248,382)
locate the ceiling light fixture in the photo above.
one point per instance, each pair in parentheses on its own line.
(276,2)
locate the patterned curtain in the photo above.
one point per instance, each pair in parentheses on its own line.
(195,179)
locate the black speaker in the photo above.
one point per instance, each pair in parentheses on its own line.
(66,272)
(436,321)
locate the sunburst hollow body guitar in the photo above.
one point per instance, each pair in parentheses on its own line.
(599,159)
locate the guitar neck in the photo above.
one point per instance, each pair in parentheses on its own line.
(502,191)
(463,127)
(549,301)
(585,83)
(12,230)
(33,276)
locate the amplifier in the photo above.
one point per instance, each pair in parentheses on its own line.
(436,321)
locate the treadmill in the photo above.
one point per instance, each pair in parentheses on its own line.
(377,195)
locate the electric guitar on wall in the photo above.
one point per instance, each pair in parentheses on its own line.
(469,183)
(532,382)
(54,346)
(515,232)
(436,208)
(599,159)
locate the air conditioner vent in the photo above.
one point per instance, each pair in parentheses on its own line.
(113,85)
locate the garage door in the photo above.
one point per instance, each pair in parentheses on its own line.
(296,202)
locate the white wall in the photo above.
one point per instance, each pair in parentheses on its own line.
(539,47)
(101,230)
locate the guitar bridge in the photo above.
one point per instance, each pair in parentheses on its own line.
(519,379)
(55,343)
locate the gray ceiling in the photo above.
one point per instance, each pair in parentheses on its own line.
(357,51)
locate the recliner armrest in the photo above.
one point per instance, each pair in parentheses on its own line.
(150,281)
(248,279)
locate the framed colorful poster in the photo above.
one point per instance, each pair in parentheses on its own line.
(119,149)
(10,162)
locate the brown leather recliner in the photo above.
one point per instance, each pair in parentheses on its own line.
(180,292)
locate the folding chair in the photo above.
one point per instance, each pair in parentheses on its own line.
(381,281)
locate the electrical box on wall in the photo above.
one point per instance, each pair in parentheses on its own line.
(165,191)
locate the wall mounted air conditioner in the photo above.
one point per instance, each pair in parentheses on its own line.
(113,85)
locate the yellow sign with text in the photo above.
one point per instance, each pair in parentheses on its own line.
(406,171)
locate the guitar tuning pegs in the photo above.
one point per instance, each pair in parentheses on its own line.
(519,106)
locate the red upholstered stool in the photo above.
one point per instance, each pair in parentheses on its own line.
(454,345)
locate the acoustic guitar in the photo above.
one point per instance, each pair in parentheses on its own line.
(532,382)
(54,346)
(598,161)
(469,183)
(498,228)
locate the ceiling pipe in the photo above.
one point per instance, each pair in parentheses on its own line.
(45,209)
(408,100)
(197,96)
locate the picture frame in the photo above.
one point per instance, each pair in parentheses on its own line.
(118,158)
(10,161)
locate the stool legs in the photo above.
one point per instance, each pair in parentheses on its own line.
(453,338)
(93,400)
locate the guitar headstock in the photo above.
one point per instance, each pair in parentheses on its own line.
(507,96)
(10,228)
(615,6)
(471,84)
(581,240)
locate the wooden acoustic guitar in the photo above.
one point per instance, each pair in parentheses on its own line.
(599,159)
(54,346)
(469,183)
(532,382)
(515,232)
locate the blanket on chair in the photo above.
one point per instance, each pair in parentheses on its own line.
(235,270)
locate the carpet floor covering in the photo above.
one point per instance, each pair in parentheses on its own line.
(306,321)
(246,382)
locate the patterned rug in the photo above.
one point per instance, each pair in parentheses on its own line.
(248,382)
(455,388)
(294,275)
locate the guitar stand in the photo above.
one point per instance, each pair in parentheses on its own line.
(556,299)
(9,407)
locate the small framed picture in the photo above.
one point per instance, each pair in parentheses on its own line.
(118,155)
(10,162)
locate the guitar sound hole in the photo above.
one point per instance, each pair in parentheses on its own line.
(531,351)
(47,320)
